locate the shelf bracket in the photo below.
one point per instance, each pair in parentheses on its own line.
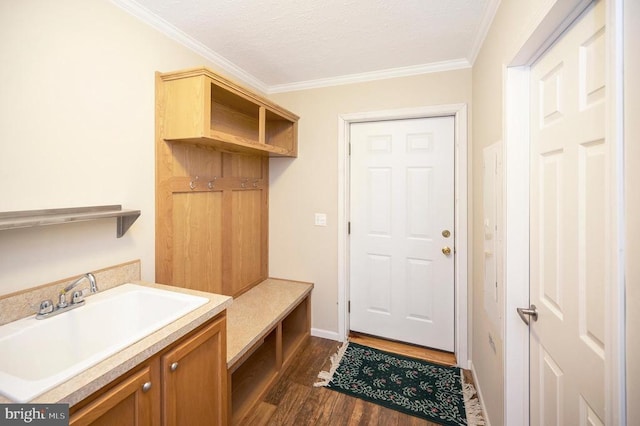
(125,222)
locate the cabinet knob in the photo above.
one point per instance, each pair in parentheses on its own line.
(174,366)
(146,387)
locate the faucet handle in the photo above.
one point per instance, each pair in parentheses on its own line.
(62,300)
(78,297)
(46,307)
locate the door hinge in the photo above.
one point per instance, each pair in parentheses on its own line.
(349,306)
(349,149)
(349,228)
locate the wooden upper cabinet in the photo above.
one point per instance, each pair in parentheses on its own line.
(213,142)
(197,106)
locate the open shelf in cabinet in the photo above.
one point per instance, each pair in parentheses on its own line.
(267,326)
(199,107)
(295,329)
(280,132)
(233,117)
(254,376)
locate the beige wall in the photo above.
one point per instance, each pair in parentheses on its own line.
(307,185)
(632,213)
(77,129)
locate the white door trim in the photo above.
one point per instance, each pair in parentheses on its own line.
(516,245)
(459,112)
(516,152)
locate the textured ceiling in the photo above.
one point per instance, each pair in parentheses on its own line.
(286,43)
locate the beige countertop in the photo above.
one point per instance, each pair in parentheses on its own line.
(256,312)
(84,384)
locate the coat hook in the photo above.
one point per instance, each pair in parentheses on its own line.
(243,184)
(193,183)
(212,182)
(255,183)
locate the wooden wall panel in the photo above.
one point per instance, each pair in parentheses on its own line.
(246,166)
(216,239)
(194,160)
(246,253)
(197,241)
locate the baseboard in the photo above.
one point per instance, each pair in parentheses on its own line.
(325,334)
(487,422)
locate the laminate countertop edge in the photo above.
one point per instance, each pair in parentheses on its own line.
(94,378)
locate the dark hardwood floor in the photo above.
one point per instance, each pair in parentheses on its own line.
(294,401)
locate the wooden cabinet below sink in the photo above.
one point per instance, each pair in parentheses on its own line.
(184,384)
(129,402)
(193,380)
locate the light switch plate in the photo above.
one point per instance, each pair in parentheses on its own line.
(321,219)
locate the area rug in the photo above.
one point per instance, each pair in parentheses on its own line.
(433,392)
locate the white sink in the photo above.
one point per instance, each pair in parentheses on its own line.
(37,355)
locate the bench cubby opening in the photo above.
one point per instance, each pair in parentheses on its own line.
(295,330)
(252,377)
(267,326)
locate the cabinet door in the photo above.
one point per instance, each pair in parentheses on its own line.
(130,402)
(194,377)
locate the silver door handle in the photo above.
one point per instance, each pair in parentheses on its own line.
(528,312)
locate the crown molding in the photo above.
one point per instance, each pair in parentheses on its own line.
(181,37)
(237,73)
(483,30)
(452,65)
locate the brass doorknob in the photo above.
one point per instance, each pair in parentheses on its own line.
(446,250)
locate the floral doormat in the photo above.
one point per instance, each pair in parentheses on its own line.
(415,387)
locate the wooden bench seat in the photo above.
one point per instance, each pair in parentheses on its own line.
(266,327)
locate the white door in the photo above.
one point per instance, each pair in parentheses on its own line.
(569,198)
(402,236)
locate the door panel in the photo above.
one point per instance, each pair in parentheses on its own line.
(402,198)
(569,196)
(551,388)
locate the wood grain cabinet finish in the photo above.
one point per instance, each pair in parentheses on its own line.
(213,143)
(194,380)
(133,401)
(185,384)
(197,106)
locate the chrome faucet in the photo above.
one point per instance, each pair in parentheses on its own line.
(47,309)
